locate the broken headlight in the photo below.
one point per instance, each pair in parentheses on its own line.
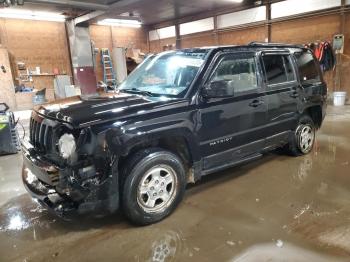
(67,145)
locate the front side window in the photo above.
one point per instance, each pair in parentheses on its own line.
(238,71)
(278,69)
(166,74)
(307,67)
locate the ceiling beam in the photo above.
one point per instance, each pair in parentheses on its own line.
(77,4)
(113,11)
(87,17)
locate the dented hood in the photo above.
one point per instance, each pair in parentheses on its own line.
(82,112)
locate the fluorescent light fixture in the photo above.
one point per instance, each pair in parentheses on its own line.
(31,15)
(120,22)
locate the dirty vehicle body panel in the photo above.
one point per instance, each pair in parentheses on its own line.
(208,133)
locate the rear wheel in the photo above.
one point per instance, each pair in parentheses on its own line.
(154,185)
(303,139)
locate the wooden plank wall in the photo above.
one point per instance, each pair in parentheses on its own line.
(157,46)
(44,44)
(7,91)
(345,80)
(243,36)
(199,39)
(298,31)
(36,43)
(306,31)
(110,37)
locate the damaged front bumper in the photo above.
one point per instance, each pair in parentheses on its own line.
(61,191)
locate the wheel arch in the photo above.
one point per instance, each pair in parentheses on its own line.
(315,112)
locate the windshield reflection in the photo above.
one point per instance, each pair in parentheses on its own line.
(166,74)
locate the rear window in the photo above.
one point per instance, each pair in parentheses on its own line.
(278,69)
(307,67)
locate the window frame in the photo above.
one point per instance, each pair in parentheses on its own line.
(281,85)
(317,66)
(221,56)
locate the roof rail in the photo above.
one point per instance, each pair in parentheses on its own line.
(274,44)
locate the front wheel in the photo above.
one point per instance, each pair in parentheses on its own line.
(303,138)
(153,187)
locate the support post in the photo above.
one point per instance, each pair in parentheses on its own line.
(268,21)
(177,36)
(216,35)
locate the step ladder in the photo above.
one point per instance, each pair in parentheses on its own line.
(109,76)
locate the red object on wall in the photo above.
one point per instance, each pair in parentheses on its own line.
(86,79)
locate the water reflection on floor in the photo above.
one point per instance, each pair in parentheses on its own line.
(279,207)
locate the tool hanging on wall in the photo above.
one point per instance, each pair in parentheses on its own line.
(108,71)
(324,53)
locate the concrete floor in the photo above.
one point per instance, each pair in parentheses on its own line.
(278,208)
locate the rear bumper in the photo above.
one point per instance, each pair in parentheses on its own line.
(65,195)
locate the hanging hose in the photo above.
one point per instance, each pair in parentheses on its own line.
(24,130)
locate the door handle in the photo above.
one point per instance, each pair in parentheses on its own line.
(256,103)
(295,94)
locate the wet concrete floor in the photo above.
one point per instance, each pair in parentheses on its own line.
(278,208)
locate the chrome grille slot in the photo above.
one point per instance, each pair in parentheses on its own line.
(35,127)
(40,134)
(48,138)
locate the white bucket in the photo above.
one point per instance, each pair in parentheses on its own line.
(339,98)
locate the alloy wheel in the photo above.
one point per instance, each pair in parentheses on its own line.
(157,189)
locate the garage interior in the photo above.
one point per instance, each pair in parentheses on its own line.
(277,208)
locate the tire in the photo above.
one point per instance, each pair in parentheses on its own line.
(302,140)
(154,182)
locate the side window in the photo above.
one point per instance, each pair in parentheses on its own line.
(238,71)
(307,67)
(278,69)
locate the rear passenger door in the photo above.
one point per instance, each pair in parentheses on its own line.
(310,75)
(282,92)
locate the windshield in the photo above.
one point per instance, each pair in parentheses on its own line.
(166,74)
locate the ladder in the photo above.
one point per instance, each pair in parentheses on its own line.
(108,71)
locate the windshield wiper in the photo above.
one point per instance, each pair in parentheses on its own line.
(137,91)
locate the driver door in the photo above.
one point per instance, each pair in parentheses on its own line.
(233,111)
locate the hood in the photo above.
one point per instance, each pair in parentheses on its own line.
(82,112)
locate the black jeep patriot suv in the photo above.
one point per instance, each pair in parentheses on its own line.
(179,116)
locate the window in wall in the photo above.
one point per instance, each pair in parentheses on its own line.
(239,71)
(307,67)
(278,69)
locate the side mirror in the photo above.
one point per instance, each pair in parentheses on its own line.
(218,88)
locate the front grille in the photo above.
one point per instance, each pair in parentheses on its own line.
(40,134)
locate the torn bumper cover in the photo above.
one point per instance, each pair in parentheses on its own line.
(59,191)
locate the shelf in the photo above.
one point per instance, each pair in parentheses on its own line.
(40,75)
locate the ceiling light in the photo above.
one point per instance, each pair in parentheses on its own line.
(120,22)
(31,15)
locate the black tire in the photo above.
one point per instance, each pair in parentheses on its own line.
(134,172)
(295,146)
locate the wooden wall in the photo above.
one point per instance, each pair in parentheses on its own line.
(110,37)
(200,39)
(36,43)
(44,44)
(297,31)
(345,80)
(158,46)
(243,36)
(7,91)
(308,30)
